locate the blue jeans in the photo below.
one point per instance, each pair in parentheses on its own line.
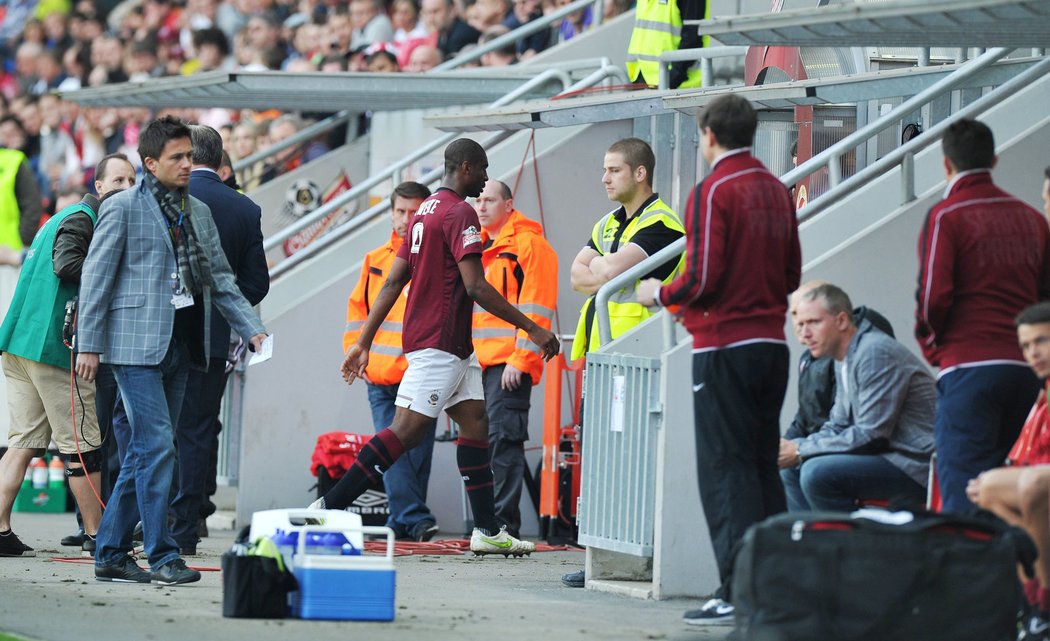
(407,479)
(836,482)
(152,398)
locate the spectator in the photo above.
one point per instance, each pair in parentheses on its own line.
(1020,492)
(613,8)
(371,25)
(970,289)
(878,440)
(489,13)
(59,161)
(142,62)
(739,272)
(264,31)
(506,55)
(26,57)
(405,18)
(289,159)
(424,58)
(522,13)
(340,31)
(441,21)
(383,61)
(212,49)
(48,72)
(575,23)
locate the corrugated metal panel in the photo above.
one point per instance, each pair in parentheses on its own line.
(621,418)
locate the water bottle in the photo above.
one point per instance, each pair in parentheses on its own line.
(56,473)
(39,473)
(286,543)
(330,543)
(348,549)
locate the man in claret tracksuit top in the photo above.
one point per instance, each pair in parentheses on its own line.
(983,257)
(742,262)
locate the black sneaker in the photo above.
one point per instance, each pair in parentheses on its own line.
(89,545)
(74,540)
(714,612)
(574,579)
(174,573)
(126,571)
(11,545)
(1036,628)
(424,531)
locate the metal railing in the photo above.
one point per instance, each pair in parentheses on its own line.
(618,474)
(525,30)
(607,70)
(704,55)
(307,133)
(631,274)
(905,154)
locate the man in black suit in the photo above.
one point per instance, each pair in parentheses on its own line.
(238,221)
(439,16)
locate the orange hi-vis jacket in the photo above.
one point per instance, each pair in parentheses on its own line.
(523,267)
(386,361)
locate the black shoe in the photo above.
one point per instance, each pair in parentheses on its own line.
(89,545)
(1035,627)
(174,573)
(74,540)
(715,612)
(188,550)
(574,579)
(11,545)
(126,571)
(424,531)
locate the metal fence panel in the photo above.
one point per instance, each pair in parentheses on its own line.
(621,418)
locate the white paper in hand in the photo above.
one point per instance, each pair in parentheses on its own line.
(264,353)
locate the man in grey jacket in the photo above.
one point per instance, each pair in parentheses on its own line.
(152,273)
(878,441)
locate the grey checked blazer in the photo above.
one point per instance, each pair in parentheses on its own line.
(125,311)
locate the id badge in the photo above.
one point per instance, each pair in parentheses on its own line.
(182,300)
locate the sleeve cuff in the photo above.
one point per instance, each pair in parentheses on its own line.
(656,296)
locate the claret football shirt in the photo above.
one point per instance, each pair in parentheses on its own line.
(438,315)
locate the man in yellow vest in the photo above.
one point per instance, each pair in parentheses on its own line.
(406,480)
(640,227)
(20,203)
(658,28)
(521,265)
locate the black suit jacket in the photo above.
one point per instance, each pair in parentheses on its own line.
(239,221)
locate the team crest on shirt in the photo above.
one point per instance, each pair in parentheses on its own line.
(417,237)
(471,236)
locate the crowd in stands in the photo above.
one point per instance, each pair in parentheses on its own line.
(53,46)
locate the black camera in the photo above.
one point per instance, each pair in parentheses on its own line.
(69,323)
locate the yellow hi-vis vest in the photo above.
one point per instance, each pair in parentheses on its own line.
(658,28)
(625,311)
(10,161)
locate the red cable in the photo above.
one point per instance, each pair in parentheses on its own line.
(76,440)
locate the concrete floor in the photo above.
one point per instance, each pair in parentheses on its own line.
(438,597)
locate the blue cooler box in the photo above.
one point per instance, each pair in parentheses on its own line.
(344,588)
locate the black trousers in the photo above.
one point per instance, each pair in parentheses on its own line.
(194,436)
(737,396)
(508,412)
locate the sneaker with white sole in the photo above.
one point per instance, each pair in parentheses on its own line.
(500,543)
(714,612)
(1036,628)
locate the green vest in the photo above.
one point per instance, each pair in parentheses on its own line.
(625,311)
(32,327)
(658,28)
(10,161)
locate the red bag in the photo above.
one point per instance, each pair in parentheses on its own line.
(336,452)
(1033,444)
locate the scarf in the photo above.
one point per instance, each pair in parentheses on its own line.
(194,268)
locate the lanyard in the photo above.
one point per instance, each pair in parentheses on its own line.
(176,229)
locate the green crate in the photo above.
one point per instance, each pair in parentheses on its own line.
(41,499)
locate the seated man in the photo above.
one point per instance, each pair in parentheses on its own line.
(878,440)
(1020,493)
(816,376)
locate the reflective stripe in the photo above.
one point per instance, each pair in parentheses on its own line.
(527,345)
(391,326)
(494,332)
(539,310)
(386,350)
(664,27)
(478,309)
(354,326)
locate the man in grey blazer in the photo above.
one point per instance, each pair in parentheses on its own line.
(878,440)
(152,273)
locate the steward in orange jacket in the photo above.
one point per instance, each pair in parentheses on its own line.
(386,361)
(521,265)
